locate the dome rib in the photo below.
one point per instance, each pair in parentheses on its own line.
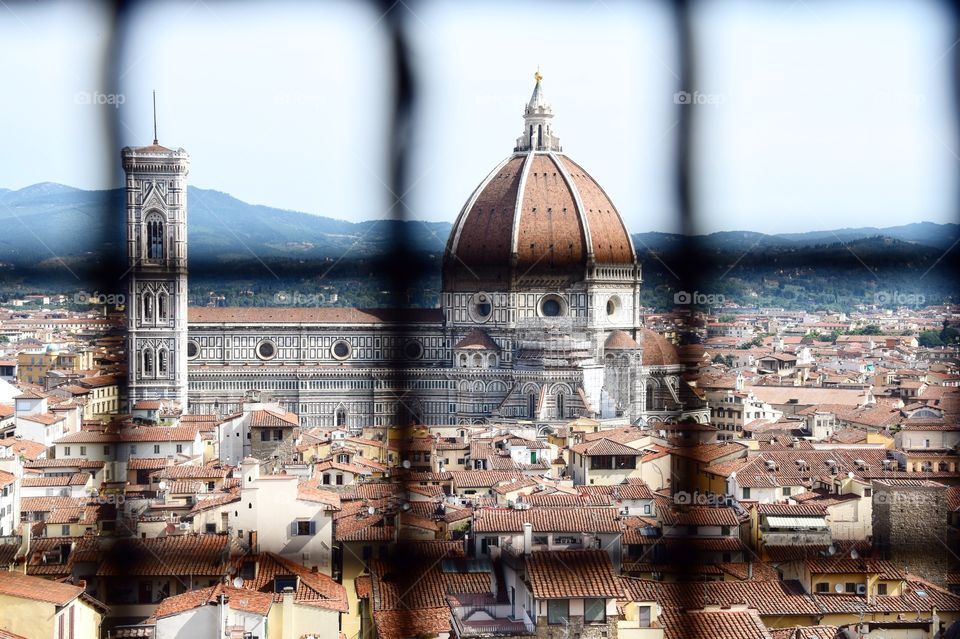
(581,211)
(550,232)
(602,217)
(518,205)
(469,238)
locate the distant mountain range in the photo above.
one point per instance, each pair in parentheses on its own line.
(46,226)
(50,219)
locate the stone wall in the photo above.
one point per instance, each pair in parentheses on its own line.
(576,628)
(284,449)
(910,528)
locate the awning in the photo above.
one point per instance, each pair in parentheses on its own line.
(796,522)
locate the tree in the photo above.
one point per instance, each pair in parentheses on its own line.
(929,339)
(948,335)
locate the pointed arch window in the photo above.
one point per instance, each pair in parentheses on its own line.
(162,301)
(148,310)
(148,361)
(341,417)
(162,362)
(561,401)
(650,397)
(531,405)
(155,237)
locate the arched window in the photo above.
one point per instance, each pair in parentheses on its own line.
(492,360)
(148,315)
(649,396)
(341,418)
(477,360)
(539,136)
(162,362)
(560,404)
(148,361)
(463,360)
(162,306)
(532,405)
(155,238)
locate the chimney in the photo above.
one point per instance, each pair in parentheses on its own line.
(527,539)
(749,570)
(287,613)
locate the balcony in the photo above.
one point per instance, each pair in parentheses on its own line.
(481,616)
(637,622)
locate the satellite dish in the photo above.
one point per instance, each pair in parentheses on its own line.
(162,485)
(854,554)
(238,582)
(831,550)
(406,463)
(838,588)
(371,510)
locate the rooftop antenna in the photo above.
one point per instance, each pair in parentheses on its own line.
(155,118)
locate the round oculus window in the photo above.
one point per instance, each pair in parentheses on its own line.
(551,306)
(193,349)
(413,349)
(481,306)
(341,349)
(613,305)
(266,349)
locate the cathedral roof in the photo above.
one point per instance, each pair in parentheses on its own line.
(477,339)
(312,315)
(620,340)
(657,351)
(538,210)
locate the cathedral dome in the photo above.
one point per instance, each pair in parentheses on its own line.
(538,210)
(657,350)
(620,341)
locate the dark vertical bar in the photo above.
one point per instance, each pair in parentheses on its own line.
(687,556)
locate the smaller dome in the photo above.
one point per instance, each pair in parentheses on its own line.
(620,341)
(657,350)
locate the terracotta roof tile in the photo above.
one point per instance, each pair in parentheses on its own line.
(16,584)
(564,574)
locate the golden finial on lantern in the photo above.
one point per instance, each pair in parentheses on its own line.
(537,76)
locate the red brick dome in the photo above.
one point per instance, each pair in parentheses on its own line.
(539,211)
(657,350)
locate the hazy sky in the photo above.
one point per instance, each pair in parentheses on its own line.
(812,114)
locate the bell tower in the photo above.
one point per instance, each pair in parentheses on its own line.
(156,207)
